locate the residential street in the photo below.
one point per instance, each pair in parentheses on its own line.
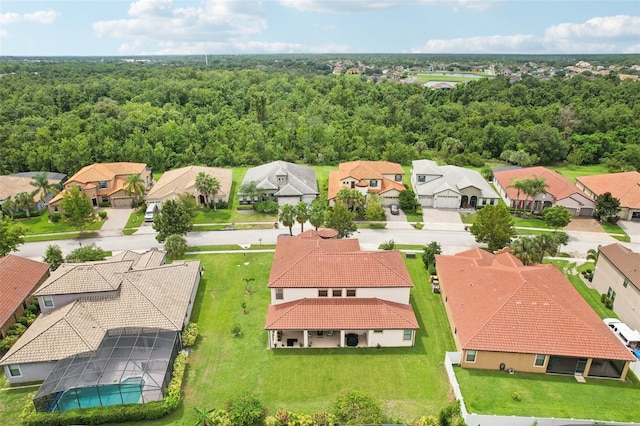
(451,240)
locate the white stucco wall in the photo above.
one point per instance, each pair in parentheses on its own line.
(627,303)
(398,295)
(388,338)
(31,372)
(192,298)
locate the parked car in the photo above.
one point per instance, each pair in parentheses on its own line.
(631,338)
(151,212)
(394,209)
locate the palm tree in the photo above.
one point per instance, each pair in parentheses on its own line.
(135,188)
(42,185)
(24,201)
(592,255)
(526,249)
(287,216)
(203,185)
(534,187)
(8,207)
(302,214)
(251,189)
(519,185)
(214,188)
(316,213)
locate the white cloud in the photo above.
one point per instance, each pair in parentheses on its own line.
(518,43)
(346,6)
(39,17)
(209,20)
(608,34)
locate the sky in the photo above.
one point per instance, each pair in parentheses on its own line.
(194,27)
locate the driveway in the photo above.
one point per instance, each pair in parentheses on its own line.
(442,219)
(584,224)
(631,228)
(116,221)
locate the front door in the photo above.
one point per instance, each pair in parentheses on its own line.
(581,365)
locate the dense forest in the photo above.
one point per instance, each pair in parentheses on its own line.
(63,115)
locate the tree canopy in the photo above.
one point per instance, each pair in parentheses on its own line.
(11,236)
(607,207)
(341,219)
(493,225)
(174,218)
(77,208)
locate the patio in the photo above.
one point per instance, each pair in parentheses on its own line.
(315,339)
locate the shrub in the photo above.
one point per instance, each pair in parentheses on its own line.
(357,407)
(388,245)
(222,205)
(267,207)
(246,410)
(55,217)
(516,396)
(102,214)
(189,335)
(603,297)
(86,254)
(104,204)
(608,303)
(236,330)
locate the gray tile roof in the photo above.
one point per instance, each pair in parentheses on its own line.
(299,178)
(90,277)
(448,177)
(151,297)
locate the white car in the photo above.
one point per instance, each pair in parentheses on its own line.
(631,338)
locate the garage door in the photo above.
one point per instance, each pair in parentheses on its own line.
(586,212)
(121,202)
(446,202)
(572,210)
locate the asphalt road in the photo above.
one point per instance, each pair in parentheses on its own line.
(451,241)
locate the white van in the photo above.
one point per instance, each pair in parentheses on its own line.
(631,338)
(151,212)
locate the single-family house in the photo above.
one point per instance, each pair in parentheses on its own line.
(623,186)
(84,303)
(104,183)
(450,187)
(617,275)
(504,315)
(19,278)
(326,292)
(287,183)
(12,185)
(368,177)
(560,191)
(176,182)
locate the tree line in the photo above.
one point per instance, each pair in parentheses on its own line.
(62,116)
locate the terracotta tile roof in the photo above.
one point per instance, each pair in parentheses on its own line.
(503,306)
(320,234)
(106,171)
(179,181)
(90,277)
(365,170)
(318,263)
(153,297)
(625,260)
(340,314)
(623,186)
(18,279)
(559,186)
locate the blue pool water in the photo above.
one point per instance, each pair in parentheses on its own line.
(127,392)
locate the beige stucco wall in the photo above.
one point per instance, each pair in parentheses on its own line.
(389,338)
(627,303)
(492,360)
(62,299)
(398,295)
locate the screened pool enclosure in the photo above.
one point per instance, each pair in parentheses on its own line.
(130,366)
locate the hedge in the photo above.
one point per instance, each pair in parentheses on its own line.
(115,413)
(189,335)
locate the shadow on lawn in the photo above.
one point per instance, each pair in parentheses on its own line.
(552,378)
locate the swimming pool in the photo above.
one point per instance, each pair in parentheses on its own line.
(126,392)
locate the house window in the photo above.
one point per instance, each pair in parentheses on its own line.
(14,370)
(492,201)
(102,184)
(539,360)
(279,294)
(398,178)
(471,356)
(377,331)
(351,292)
(373,183)
(336,292)
(323,293)
(626,283)
(422,178)
(105,199)
(611,294)
(47,301)
(408,334)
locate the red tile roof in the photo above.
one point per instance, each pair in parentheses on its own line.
(324,233)
(499,305)
(18,279)
(559,186)
(623,186)
(340,314)
(625,260)
(318,263)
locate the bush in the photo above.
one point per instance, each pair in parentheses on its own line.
(516,396)
(222,205)
(86,254)
(189,335)
(246,410)
(104,204)
(357,407)
(267,207)
(603,297)
(608,303)
(55,217)
(115,413)
(388,245)
(102,214)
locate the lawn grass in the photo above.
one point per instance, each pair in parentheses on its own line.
(572,172)
(468,218)
(413,216)
(56,237)
(304,381)
(489,392)
(41,225)
(227,247)
(12,401)
(135,219)
(408,247)
(371,225)
(615,231)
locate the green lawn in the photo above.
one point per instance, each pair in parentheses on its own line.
(227,247)
(56,237)
(135,219)
(304,381)
(529,222)
(489,392)
(572,172)
(41,225)
(13,401)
